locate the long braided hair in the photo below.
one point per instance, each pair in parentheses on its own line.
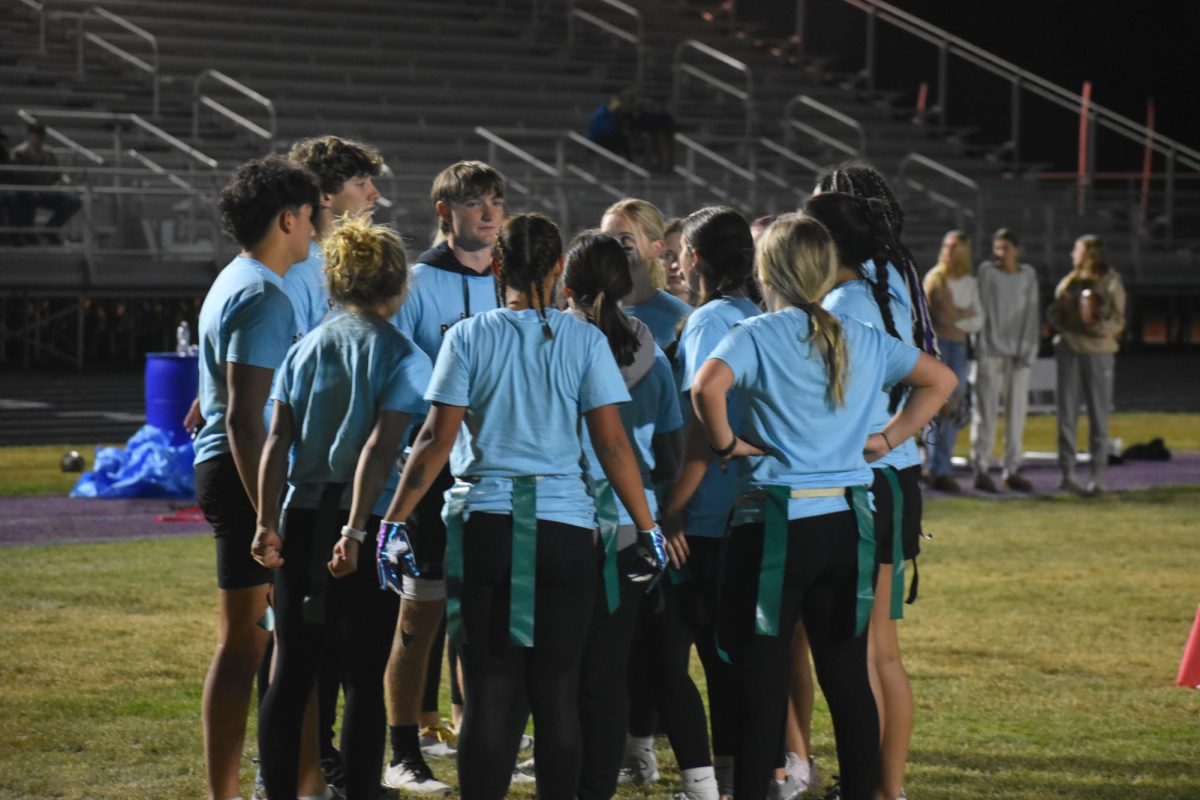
(859,230)
(866,183)
(527,250)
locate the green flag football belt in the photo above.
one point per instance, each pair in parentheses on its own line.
(773,501)
(522,583)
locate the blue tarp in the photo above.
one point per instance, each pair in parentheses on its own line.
(148,466)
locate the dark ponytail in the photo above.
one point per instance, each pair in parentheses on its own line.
(528,248)
(721,237)
(597,273)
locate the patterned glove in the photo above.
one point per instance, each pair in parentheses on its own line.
(395,556)
(652,553)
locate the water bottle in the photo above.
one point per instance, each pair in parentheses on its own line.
(183,339)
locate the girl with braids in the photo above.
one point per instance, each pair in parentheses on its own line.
(859,232)
(1089,314)
(718,249)
(638,227)
(865,183)
(801,544)
(343,397)
(507,392)
(595,274)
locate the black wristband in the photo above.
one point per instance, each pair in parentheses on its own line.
(724,451)
(889,442)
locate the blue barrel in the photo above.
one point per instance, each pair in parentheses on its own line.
(172,382)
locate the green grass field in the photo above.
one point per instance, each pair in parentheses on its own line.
(1042,652)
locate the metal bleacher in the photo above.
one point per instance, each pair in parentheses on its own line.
(151,103)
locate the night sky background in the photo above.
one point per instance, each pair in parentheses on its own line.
(1130,52)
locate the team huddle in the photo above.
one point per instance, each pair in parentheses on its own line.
(582,455)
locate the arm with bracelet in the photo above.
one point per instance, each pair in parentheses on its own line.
(931,382)
(370,476)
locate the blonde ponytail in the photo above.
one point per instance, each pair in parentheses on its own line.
(365,265)
(797,259)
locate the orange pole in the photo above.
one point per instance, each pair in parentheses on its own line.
(1082,176)
(1147,161)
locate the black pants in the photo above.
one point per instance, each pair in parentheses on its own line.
(505,682)
(361,617)
(603,690)
(819,587)
(683,614)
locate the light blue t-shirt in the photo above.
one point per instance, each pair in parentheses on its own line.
(524,395)
(783,378)
(854,299)
(661,314)
(247,319)
(708,510)
(654,409)
(441,293)
(337,379)
(305,285)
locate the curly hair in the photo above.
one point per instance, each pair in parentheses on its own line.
(365,264)
(335,160)
(259,191)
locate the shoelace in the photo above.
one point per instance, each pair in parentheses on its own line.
(418,768)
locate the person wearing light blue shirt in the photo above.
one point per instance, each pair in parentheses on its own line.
(639,228)
(717,254)
(595,274)
(343,398)
(346,170)
(521,552)
(246,326)
(801,546)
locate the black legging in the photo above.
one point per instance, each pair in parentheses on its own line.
(819,586)
(603,690)
(684,613)
(505,682)
(362,617)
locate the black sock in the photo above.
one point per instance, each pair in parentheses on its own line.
(405,742)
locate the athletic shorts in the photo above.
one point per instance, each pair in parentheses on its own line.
(223,500)
(910,487)
(427,532)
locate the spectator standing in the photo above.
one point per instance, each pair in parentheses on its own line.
(1004,353)
(1089,314)
(955,311)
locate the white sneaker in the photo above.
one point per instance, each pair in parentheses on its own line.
(786,789)
(641,768)
(520,776)
(438,741)
(803,772)
(414,775)
(699,783)
(526,742)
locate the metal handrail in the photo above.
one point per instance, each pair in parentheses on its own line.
(227,112)
(32,115)
(629,170)
(795,158)
(679,69)
(120,52)
(604,152)
(62,138)
(39,8)
(974,211)
(497,142)
(693,178)
(158,169)
(790,124)
(637,37)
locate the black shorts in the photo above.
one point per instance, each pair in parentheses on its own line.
(223,499)
(910,489)
(427,531)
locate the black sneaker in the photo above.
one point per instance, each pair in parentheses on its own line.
(335,776)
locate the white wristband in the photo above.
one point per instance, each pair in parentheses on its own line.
(354,533)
